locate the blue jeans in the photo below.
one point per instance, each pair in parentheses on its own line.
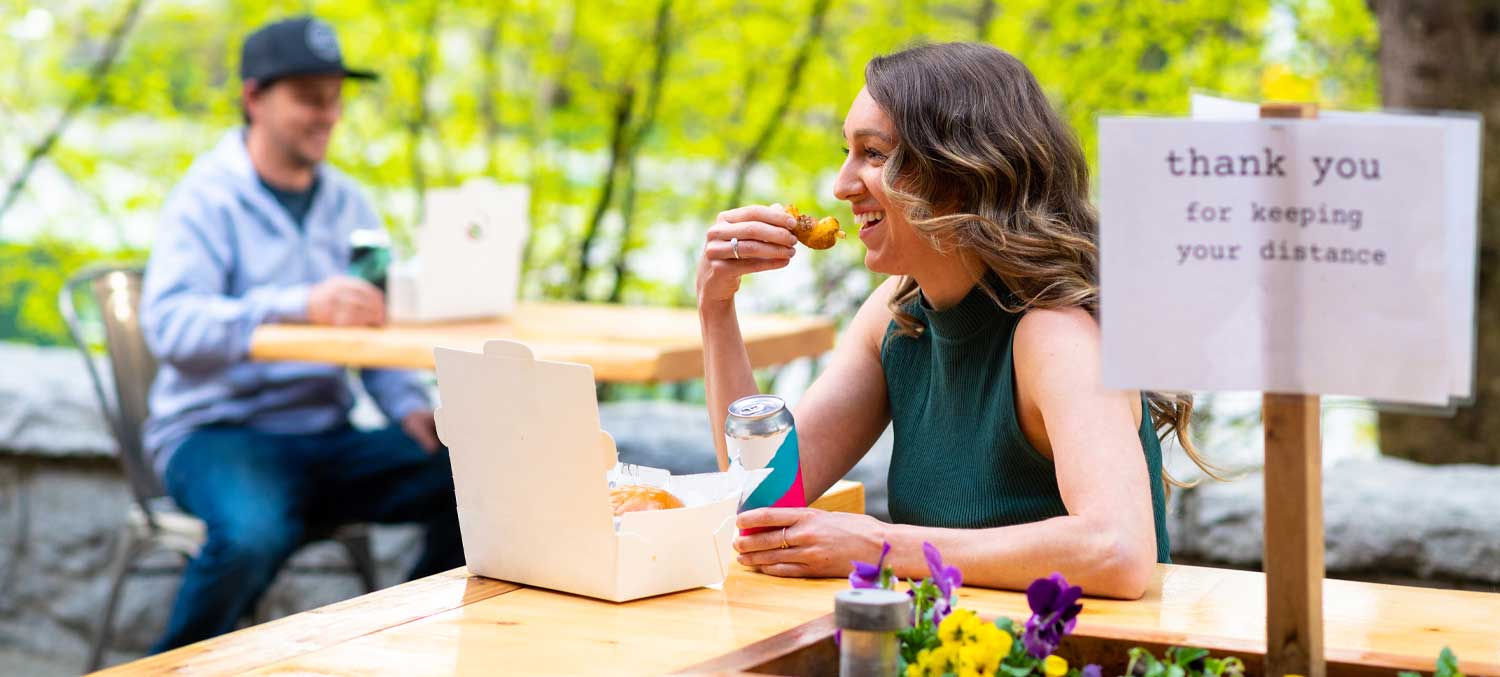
(260,494)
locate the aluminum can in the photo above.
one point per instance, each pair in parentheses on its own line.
(756,428)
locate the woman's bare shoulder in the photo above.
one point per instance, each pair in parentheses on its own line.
(1045,334)
(874,315)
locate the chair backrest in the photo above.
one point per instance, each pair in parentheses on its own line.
(114,295)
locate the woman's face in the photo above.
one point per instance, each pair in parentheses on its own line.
(892,244)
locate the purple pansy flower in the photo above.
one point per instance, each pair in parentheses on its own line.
(1054,612)
(1092,670)
(866,575)
(947,578)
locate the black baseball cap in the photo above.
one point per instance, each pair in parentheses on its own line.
(298,46)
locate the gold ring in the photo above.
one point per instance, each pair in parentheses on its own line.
(784,544)
(734,244)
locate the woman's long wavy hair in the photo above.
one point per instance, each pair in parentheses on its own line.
(984,164)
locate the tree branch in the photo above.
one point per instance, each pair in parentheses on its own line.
(663,42)
(419,120)
(984,15)
(793,82)
(539,129)
(84,97)
(489,108)
(617,150)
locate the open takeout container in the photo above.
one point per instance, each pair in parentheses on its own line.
(530,465)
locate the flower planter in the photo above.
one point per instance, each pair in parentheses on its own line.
(808,649)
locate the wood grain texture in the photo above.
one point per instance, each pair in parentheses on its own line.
(1293,535)
(1293,513)
(621,343)
(336,623)
(843,496)
(539,632)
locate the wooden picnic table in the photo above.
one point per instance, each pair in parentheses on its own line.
(454,623)
(622,343)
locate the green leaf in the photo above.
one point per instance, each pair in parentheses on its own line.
(1184,656)
(1447,664)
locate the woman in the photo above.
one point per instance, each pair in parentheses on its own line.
(1010,456)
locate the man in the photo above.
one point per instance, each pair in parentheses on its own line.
(258,231)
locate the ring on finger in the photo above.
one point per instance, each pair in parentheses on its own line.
(784,544)
(734,245)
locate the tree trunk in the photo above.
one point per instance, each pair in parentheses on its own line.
(662,39)
(788,93)
(618,148)
(1447,55)
(539,132)
(489,106)
(984,15)
(421,115)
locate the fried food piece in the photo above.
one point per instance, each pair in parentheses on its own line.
(636,497)
(820,234)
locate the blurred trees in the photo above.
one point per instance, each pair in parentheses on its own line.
(632,121)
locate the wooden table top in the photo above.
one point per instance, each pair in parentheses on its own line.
(455,624)
(621,343)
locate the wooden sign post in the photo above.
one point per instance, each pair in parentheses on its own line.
(1311,257)
(1293,475)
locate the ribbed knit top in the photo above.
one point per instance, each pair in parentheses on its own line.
(960,459)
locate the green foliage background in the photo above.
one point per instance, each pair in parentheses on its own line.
(530,91)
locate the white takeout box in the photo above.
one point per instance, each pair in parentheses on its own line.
(529,467)
(467,263)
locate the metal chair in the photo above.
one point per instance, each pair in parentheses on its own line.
(154,522)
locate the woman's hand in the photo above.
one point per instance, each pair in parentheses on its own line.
(743,241)
(819,544)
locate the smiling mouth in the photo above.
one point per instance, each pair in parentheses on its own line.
(869,220)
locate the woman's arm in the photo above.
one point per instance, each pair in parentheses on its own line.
(845,409)
(1106,542)
(742,241)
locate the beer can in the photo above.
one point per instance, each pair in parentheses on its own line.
(756,428)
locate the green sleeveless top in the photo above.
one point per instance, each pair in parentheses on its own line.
(960,459)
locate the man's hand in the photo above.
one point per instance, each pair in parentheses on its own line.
(346,302)
(422,427)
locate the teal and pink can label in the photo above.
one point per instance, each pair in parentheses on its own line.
(760,433)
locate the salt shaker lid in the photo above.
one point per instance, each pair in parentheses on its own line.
(872,609)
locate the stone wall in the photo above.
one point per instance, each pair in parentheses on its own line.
(1383,519)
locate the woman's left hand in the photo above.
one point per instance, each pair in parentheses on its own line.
(818,544)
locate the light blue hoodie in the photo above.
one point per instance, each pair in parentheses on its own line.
(228,258)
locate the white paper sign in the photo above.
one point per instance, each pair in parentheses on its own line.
(1462,163)
(1277,255)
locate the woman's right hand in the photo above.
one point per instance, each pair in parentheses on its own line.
(743,241)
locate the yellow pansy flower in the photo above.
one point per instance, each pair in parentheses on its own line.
(951,630)
(969,627)
(1055,666)
(995,638)
(980,658)
(943,659)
